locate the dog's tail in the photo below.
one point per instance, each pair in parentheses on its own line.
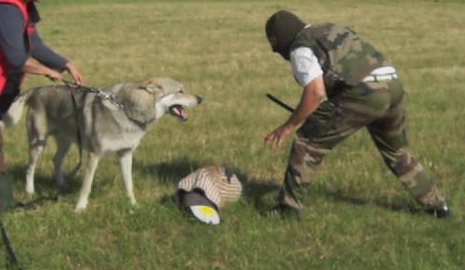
(14,113)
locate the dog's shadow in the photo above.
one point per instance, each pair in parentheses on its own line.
(258,192)
(169,172)
(46,188)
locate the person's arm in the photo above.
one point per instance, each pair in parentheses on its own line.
(312,95)
(33,66)
(51,59)
(13,47)
(46,55)
(308,74)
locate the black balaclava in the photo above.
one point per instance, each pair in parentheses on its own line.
(283,26)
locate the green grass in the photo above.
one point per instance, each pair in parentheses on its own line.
(357,215)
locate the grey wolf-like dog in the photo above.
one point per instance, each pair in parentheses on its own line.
(100,124)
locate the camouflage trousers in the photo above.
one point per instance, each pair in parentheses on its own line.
(378,106)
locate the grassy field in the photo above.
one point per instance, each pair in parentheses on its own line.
(357,215)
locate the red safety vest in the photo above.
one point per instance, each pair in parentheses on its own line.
(29,28)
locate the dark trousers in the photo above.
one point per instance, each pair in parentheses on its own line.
(2,158)
(10,92)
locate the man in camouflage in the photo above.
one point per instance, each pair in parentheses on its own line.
(347,85)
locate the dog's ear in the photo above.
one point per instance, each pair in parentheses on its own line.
(150,86)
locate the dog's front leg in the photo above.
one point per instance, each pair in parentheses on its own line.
(125,162)
(92,163)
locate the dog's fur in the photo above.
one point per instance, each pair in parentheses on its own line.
(103,127)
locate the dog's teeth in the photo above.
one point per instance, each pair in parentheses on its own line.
(178,111)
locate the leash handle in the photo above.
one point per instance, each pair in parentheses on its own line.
(70,83)
(280,103)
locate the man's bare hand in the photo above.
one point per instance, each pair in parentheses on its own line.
(275,138)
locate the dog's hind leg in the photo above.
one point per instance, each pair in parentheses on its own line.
(63,145)
(125,162)
(34,153)
(36,131)
(92,163)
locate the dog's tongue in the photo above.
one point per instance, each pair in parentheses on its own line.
(178,111)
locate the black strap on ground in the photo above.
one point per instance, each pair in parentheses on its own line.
(31,204)
(9,250)
(12,261)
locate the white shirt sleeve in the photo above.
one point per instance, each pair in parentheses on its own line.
(304,65)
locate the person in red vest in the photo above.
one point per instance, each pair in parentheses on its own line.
(23,51)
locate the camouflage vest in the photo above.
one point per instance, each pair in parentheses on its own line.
(342,54)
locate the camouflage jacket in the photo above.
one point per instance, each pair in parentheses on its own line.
(344,57)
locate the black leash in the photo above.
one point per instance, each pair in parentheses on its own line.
(98,91)
(11,255)
(76,119)
(103,95)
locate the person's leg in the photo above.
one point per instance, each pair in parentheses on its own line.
(330,124)
(10,92)
(303,160)
(6,195)
(388,133)
(335,120)
(2,157)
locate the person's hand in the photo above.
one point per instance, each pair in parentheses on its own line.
(53,75)
(74,72)
(275,138)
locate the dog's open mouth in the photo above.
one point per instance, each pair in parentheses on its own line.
(178,111)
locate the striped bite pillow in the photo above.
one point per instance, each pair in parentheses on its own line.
(219,185)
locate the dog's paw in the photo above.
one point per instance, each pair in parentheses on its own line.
(79,210)
(30,191)
(30,188)
(80,207)
(133,201)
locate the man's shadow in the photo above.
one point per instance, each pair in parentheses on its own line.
(339,195)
